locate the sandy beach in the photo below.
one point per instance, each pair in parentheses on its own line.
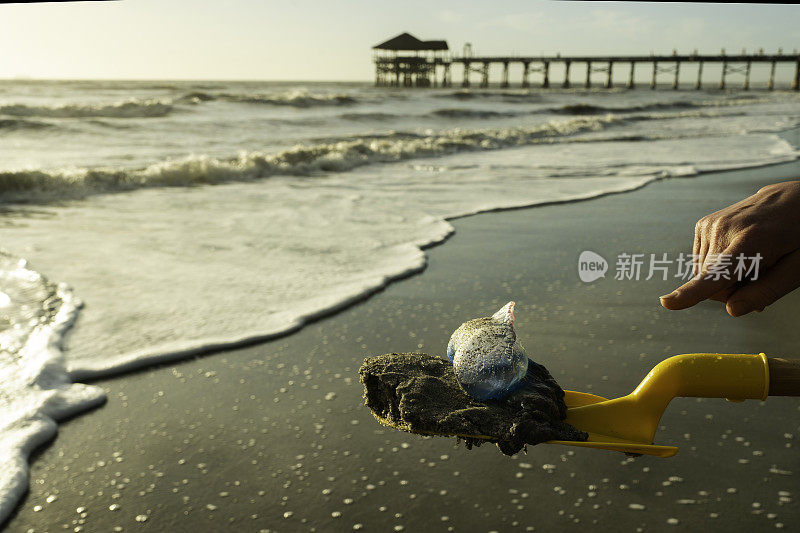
(275,437)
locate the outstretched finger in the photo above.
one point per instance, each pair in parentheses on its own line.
(693,292)
(702,287)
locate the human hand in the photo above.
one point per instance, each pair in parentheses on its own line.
(767,223)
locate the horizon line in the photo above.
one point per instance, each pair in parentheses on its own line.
(298,80)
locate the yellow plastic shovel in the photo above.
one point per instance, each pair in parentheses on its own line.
(628,424)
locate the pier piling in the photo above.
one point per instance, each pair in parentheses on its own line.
(567,64)
(699,84)
(546,74)
(771,82)
(588,74)
(485,75)
(631,83)
(677,75)
(655,74)
(746,84)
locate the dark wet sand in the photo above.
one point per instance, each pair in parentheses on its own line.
(275,437)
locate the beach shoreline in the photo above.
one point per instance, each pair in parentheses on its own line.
(162,423)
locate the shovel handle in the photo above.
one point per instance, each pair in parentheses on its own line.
(784,376)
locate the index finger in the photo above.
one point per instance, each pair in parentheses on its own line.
(701,287)
(694,292)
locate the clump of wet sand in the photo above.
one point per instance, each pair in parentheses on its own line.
(419,393)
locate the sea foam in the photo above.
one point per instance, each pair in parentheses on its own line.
(132,108)
(295,98)
(36,390)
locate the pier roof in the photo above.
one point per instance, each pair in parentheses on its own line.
(406,41)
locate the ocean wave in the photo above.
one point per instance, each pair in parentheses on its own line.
(302,121)
(15,124)
(447,112)
(591,109)
(113,124)
(299,98)
(341,155)
(458,112)
(571,109)
(196,97)
(527,96)
(509,95)
(133,108)
(734,100)
(579,109)
(368,116)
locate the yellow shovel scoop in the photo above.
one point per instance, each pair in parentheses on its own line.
(628,424)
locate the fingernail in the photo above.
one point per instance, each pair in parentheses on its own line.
(668,295)
(739,307)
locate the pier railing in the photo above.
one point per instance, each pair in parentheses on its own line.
(423,71)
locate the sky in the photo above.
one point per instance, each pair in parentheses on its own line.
(332,39)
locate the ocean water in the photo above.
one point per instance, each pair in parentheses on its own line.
(147,221)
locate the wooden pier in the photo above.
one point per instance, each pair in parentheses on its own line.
(395,66)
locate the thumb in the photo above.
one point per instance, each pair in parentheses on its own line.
(781,279)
